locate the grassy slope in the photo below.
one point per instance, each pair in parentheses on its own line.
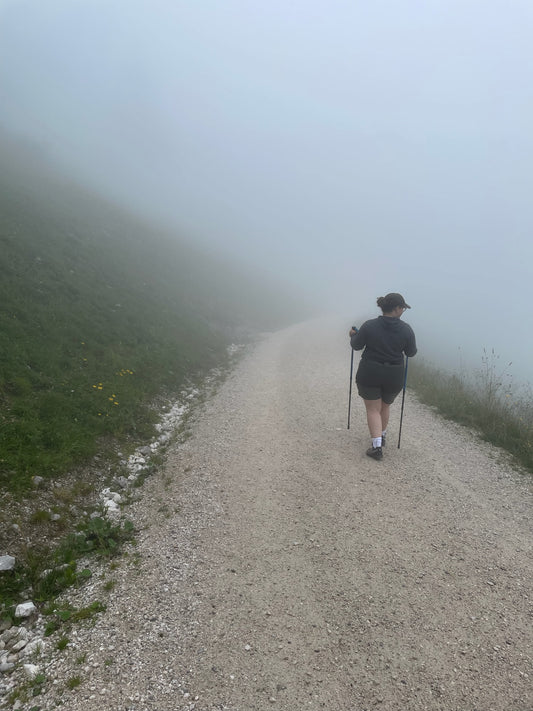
(487,406)
(98,314)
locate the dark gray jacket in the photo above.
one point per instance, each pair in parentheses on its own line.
(385,340)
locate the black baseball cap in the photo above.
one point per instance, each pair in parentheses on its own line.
(393,300)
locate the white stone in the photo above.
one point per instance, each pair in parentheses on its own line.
(31,670)
(11,633)
(18,646)
(24,633)
(25,609)
(36,646)
(135,459)
(7,562)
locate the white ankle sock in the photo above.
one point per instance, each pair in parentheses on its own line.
(376,442)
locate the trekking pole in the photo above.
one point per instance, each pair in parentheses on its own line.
(403,399)
(350,396)
(351,376)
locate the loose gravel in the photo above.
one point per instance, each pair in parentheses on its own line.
(279,567)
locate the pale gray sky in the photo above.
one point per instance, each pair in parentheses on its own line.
(354,148)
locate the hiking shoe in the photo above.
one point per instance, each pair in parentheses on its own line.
(374,452)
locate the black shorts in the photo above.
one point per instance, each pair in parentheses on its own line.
(377,381)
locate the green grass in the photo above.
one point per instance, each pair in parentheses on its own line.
(73,682)
(485,402)
(99,314)
(74,366)
(45,571)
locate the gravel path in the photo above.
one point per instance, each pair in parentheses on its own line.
(281,568)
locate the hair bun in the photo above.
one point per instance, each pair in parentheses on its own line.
(381,301)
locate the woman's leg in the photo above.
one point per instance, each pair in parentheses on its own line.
(374,416)
(385,412)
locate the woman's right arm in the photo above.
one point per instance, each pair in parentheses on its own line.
(358,339)
(410,348)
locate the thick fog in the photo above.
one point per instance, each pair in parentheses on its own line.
(351,148)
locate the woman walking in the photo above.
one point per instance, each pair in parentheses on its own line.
(380,373)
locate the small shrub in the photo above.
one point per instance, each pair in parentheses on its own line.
(73,682)
(51,627)
(40,516)
(86,613)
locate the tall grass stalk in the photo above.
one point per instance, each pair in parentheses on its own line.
(485,401)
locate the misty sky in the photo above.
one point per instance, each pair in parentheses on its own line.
(353,148)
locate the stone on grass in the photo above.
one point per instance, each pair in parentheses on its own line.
(7,562)
(25,609)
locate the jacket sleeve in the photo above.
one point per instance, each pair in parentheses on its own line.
(358,341)
(410,347)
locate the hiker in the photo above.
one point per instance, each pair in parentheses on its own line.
(379,377)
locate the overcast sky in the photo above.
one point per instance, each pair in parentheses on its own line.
(352,147)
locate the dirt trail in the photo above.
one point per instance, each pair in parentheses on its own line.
(283,569)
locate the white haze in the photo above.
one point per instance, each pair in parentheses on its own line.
(351,148)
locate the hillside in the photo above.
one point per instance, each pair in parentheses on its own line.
(99,313)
